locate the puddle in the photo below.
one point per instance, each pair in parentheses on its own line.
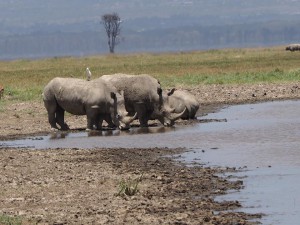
(264,138)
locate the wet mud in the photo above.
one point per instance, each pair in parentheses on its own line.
(79,186)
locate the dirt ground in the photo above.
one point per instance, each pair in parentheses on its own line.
(80,186)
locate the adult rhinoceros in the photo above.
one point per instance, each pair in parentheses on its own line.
(143,95)
(293,47)
(180,100)
(96,99)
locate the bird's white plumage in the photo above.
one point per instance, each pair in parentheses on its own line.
(88,74)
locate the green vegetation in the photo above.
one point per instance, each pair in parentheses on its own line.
(129,187)
(24,79)
(8,220)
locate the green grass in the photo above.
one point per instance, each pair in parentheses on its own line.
(8,220)
(129,187)
(24,79)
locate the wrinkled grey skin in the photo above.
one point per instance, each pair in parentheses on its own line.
(95,99)
(180,100)
(143,95)
(293,47)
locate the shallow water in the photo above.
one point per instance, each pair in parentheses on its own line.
(264,138)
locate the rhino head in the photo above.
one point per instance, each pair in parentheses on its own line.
(119,115)
(164,113)
(168,117)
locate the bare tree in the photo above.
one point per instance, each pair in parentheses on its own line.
(112,25)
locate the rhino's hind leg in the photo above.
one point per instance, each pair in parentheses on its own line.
(51,114)
(60,118)
(52,121)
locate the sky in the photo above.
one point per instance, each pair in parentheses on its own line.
(28,12)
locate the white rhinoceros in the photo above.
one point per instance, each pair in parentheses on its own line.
(143,95)
(96,99)
(180,100)
(293,47)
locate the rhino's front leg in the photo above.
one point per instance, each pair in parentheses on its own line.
(89,125)
(109,121)
(93,121)
(144,120)
(142,114)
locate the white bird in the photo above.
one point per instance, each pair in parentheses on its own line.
(88,74)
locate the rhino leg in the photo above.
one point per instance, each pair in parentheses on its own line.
(93,120)
(98,122)
(144,121)
(60,118)
(142,114)
(52,120)
(90,124)
(51,109)
(109,121)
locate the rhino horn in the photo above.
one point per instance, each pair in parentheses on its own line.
(175,116)
(129,119)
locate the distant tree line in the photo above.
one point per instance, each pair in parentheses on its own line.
(173,39)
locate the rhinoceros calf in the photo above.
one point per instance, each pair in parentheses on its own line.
(95,99)
(180,100)
(143,95)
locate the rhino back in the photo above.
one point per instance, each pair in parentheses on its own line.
(137,88)
(76,95)
(186,97)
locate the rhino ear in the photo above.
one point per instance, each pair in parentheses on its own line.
(159,91)
(171,92)
(113,95)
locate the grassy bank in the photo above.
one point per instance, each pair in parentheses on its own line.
(25,79)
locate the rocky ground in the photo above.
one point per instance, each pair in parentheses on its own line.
(82,186)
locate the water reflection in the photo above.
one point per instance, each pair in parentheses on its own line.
(110,132)
(58,135)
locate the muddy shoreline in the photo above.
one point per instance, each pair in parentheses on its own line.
(76,186)
(79,186)
(30,118)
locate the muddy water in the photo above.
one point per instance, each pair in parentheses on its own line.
(264,139)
